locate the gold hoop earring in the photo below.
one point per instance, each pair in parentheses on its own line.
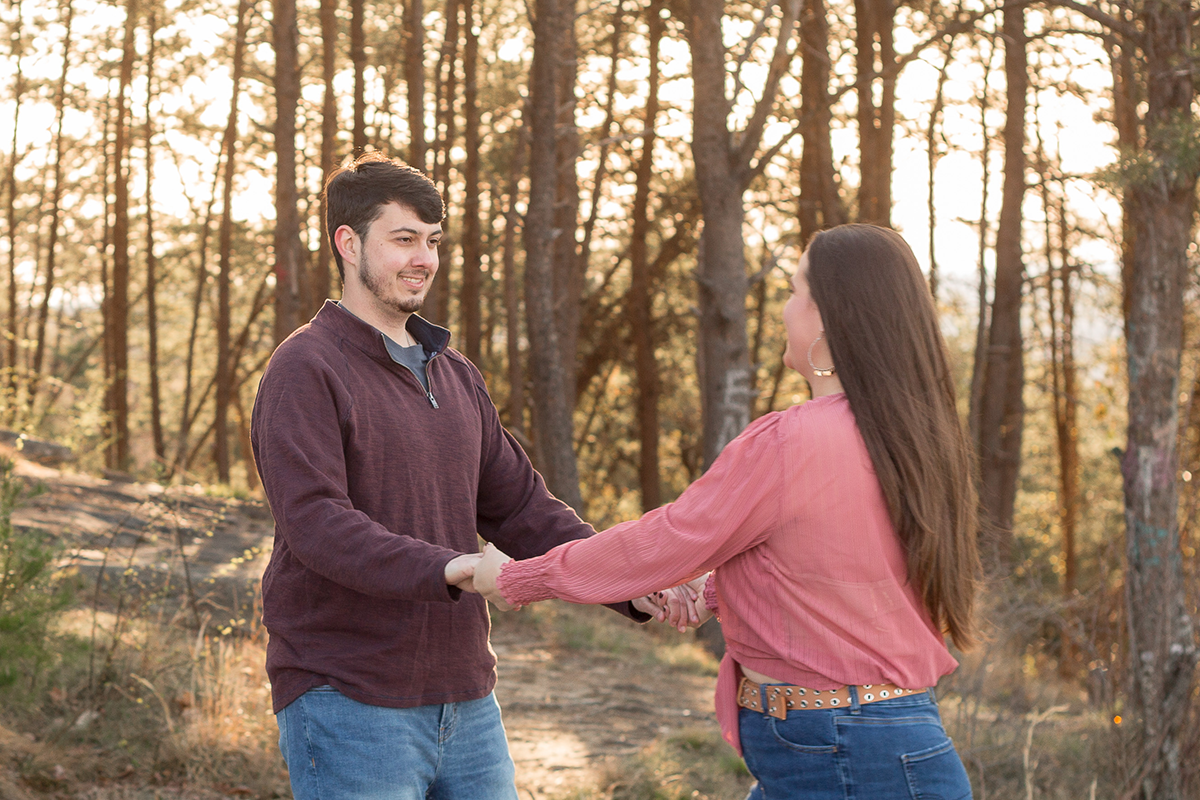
(819,371)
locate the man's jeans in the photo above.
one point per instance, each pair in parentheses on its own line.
(338,748)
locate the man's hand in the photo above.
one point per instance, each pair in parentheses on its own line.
(486,573)
(461,569)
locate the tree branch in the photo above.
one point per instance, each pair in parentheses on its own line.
(752,135)
(1114,24)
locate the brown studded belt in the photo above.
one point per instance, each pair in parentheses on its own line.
(781,699)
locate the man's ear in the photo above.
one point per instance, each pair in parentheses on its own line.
(346,241)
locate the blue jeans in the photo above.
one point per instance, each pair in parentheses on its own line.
(887,750)
(338,748)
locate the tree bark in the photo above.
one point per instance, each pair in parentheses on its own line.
(512,292)
(875,63)
(569,264)
(224,375)
(290,294)
(552,398)
(118,319)
(821,203)
(1002,410)
(979,362)
(106,284)
(437,306)
(723,171)
(641,293)
(1162,209)
(414,78)
(1067,429)
(156,428)
(933,154)
(55,208)
(13,384)
(323,278)
(472,237)
(358,57)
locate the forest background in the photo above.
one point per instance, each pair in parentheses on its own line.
(629,185)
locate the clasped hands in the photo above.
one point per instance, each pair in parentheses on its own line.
(681,606)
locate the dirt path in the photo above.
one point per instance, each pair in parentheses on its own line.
(569,713)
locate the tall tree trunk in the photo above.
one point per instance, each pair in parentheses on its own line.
(17,50)
(118,331)
(323,277)
(437,306)
(289,251)
(933,153)
(1066,403)
(414,79)
(55,208)
(552,394)
(640,291)
(723,171)
(1002,410)
(875,65)
(979,362)
(569,266)
(156,428)
(821,203)
(512,291)
(358,57)
(106,284)
(472,236)
(225,372)
(1162,209)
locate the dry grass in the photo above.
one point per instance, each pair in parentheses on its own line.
(150,708)
(148,704)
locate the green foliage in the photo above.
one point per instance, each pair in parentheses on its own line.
(1171,157)
(31,591)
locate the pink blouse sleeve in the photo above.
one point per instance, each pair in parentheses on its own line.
(731,508)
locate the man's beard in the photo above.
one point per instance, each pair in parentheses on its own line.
(376,285)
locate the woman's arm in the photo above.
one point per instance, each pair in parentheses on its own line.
(732,508)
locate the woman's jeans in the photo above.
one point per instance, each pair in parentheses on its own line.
(887,750)
(338,748)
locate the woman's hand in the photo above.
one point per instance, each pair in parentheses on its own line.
(486,573)
(681,607)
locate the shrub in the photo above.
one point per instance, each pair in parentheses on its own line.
(31,591)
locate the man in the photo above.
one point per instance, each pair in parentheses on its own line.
(382,455)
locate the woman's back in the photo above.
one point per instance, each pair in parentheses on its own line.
(824,599)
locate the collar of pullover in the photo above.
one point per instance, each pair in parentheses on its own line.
(434,338)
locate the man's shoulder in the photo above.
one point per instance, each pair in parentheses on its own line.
(312,348)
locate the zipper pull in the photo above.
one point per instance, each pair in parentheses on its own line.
(432,402)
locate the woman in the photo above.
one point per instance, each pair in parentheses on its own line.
(842,535)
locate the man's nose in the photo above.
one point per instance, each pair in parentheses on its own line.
(426,257)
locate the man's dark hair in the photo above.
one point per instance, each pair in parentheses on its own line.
(356,193)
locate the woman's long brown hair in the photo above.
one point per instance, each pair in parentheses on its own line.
(883,333)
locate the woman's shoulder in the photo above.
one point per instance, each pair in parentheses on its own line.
(823,410)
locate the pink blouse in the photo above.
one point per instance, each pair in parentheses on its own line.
(810,579)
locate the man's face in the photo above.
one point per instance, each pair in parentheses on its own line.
(397,260)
